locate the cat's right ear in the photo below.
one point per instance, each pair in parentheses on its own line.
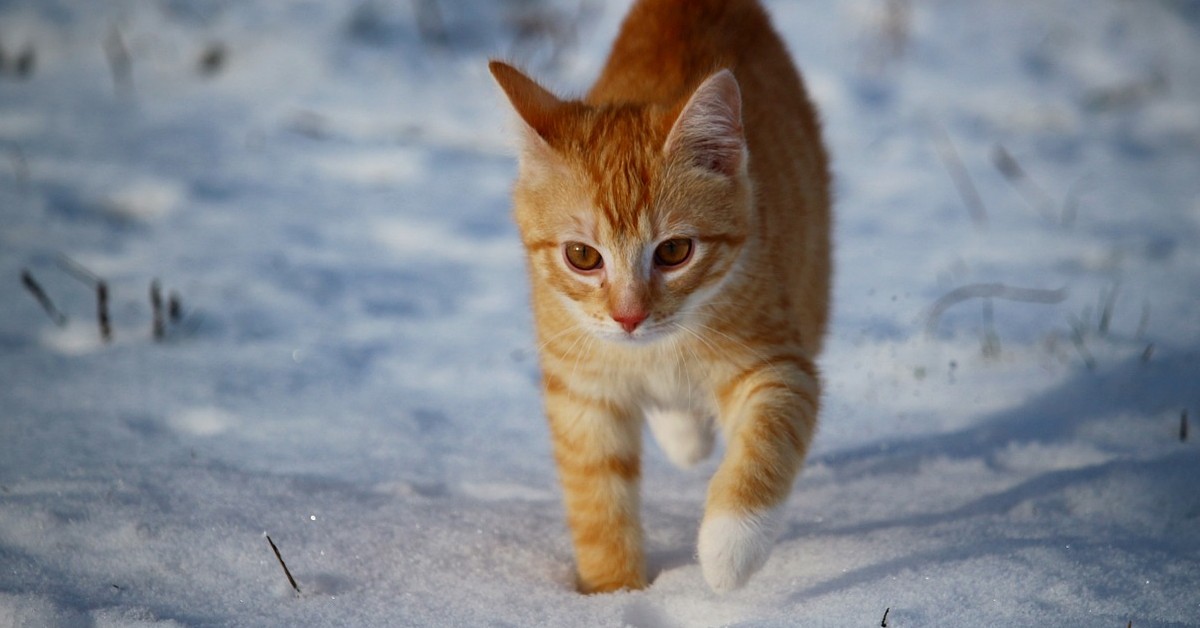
(708,130)
(536,106)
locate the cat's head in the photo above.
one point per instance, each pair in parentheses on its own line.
(632,216)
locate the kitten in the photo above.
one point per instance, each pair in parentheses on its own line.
(676,223)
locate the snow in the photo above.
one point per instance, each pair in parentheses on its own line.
(354,373)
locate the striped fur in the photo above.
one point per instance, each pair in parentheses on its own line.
(669,145)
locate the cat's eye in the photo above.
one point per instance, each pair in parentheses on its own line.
(583,257)
(673,252)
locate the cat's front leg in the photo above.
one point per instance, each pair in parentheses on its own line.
(597,446)
(769,413)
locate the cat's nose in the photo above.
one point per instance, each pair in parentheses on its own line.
(629,321)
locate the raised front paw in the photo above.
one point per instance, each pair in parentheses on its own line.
(684,437)
(734,546)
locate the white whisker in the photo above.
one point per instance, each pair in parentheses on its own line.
(743,345)
(696,356)
(586,347)
(687,372)
(563,332)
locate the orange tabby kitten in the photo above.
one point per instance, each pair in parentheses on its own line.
(676,222)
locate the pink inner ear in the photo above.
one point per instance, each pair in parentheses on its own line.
(708,131)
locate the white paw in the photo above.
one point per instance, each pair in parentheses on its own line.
(685,438)
(733,547)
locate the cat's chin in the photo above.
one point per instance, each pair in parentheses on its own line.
(640,338)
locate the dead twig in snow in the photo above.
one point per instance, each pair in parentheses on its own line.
(1127,96)
(1143,322)
(991,340)
(102,311)
(1070,205)
(159,325)
(1106,309)
(212,60)
(25,63)
(286,572)
(883,624)
(890,37)
(43,300)
(1078,338)
(990,291)
(1037,198)
(76,270)
(120,62)
(174,307)
(960,176)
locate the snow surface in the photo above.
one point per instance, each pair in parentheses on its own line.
(355,375)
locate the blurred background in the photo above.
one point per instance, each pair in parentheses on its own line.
(257,272)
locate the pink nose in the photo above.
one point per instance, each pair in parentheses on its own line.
(629,320)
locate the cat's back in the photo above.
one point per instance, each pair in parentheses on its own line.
(666,47)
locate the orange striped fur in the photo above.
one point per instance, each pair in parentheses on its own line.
(669,147)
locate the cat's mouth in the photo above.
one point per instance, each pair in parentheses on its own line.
(646,334)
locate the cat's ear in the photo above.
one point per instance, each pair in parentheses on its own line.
(537,107)
(708,131)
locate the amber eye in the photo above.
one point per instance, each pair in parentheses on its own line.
(673,252)
(583,257)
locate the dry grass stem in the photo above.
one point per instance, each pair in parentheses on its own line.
(962,179)
(990,291)
(286,572)
(43,300)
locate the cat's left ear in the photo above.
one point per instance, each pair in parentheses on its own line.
(536,106)
(708,131)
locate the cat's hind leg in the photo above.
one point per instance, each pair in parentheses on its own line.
(685,437)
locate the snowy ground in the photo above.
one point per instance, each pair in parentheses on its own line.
(354,372)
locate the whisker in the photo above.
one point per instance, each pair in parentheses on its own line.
(567,354)
(706,342)
(542,345)
(587,347)
(770,364)
(684,328)
(687,373)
